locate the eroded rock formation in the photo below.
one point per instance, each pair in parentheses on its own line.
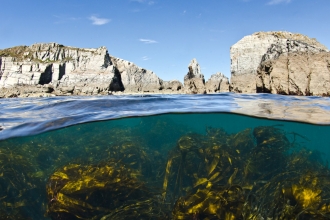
(194,82)
(172,86)
(217,83)
(296,73)
(50,69)
(136,79)
(271,62)
(41,69)
(250,52)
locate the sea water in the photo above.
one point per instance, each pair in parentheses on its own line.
(224,156)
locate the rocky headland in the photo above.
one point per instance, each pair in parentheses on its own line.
(54,69)
(280,63)
(264,62)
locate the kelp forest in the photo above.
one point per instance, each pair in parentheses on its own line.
(158,170)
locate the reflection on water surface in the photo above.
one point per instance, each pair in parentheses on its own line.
(28,116)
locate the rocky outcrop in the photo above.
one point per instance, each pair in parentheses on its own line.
(268,62)
(51,69)
(296,73)
(61,70)
(217,83)
(136,79)
(172,86)
(194,82)
(248,54)
(27,91)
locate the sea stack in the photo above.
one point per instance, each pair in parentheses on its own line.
(262,62)
(194,82)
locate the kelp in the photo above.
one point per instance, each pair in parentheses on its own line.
(148,162)
(100,191)
(20,184)
(134,173)
(255,174)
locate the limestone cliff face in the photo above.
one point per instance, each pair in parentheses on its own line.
(62,70)
(272,62)
(50,69)
(136,79)
(248,54)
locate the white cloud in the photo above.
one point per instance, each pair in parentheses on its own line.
(275,2)
(99,21)
(145,58)
(148,41)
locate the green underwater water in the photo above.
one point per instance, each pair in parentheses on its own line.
(170,166)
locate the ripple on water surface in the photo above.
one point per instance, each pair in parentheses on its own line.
(227,157)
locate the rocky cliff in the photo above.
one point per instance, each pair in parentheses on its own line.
(136,79)
(51,68)
(270,62)
(253,51)
(296,73)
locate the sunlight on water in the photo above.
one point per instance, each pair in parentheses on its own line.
(169,166)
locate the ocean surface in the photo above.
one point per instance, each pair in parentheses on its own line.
(219,156)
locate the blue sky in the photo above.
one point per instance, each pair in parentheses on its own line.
(160,35)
